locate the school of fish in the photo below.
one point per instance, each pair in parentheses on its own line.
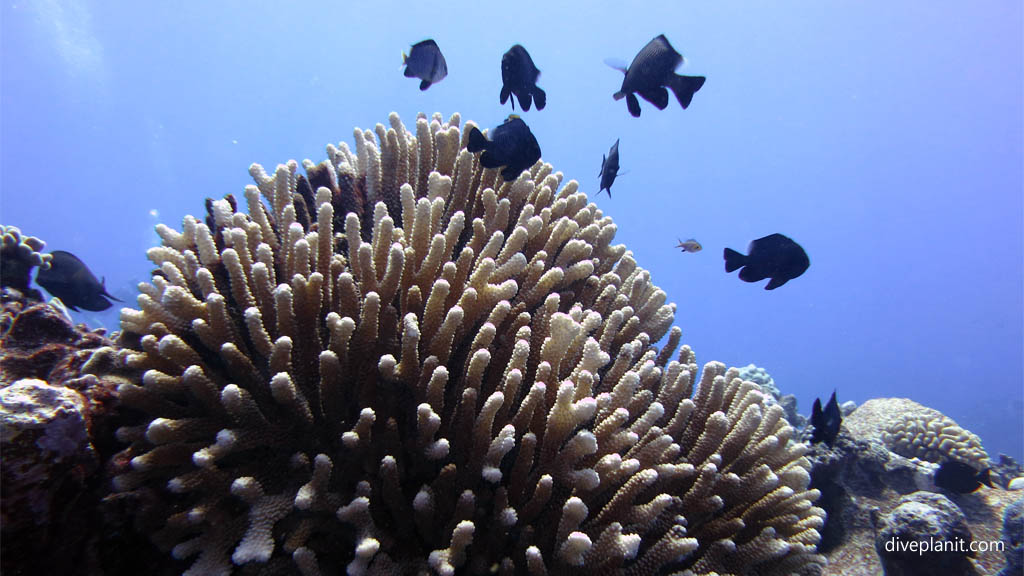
(513,148)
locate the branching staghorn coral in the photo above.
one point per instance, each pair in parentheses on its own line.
(400,363)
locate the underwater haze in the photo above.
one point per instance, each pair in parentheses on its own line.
(884,137)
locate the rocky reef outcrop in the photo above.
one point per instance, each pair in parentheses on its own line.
(873,495)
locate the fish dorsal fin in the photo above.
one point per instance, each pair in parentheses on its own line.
(616,63)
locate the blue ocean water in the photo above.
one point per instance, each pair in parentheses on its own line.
(886,138)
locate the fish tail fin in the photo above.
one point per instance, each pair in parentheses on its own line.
(503,97)
(985,477)
(525,100)
(103,284)
(618,95)
(477,140)
(425,84)
(734,260)
(633,105)
(540,97)
(684,87)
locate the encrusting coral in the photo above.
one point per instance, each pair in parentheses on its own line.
(399,363)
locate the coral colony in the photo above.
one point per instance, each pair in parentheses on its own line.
(462,378)
(405,362)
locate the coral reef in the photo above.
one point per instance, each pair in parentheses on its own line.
(1013,537)
(932,436)
(760,376)
(47,461)
(41,342)
(861,481)
(1006,471)
(58,425)
(399,363)
(919,521)
(18,255)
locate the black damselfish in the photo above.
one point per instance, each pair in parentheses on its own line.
(519,78)
(609,169)
(512,145)
(775,256)
(960,477)
(69,279)
(826,422)
(651,71)
(425,62)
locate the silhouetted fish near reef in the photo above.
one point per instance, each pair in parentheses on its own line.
(69,279)
(519,78)
(650,72)
(609,169)
(774,256)
(960,478)
(512,145)
(425,62)
(690,245)
(826,422)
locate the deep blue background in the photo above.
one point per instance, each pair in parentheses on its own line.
(885,137)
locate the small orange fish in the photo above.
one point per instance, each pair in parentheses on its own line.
(690,245)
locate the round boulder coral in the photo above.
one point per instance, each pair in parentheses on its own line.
(935,437)
(400,363)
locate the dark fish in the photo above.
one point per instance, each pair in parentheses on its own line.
(651,71)
(826,422)
(960,478)
(69,279)
(774,256)
(512,145)
(425,62)
(519,78)
(609,168)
